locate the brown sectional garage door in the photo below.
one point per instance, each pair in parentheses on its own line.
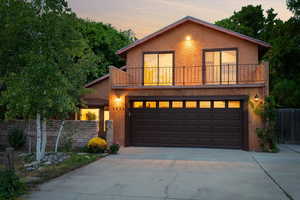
(186,123)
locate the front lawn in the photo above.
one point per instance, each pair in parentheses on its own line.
(47,172)
(32,173)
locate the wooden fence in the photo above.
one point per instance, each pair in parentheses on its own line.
(288,124)
(7,158)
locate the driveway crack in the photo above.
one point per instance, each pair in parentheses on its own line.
(272,179)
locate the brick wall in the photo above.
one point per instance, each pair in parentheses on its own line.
(79,131)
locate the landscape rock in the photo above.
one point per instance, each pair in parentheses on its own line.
(50,158)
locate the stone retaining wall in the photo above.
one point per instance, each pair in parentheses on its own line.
(79,131)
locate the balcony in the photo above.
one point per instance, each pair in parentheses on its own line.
(241,75)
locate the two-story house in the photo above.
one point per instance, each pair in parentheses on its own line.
(188,85)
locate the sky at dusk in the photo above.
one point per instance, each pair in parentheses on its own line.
(147,16)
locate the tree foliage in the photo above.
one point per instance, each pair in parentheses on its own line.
(294,6)
(104,40)
(49,73)
(249,20)
(44,76)
(284,56)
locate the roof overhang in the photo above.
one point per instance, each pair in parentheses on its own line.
(95,102)
(102,78)
(197,21)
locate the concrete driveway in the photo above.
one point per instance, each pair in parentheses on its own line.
(180,173)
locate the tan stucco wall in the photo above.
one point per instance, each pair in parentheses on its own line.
(189,53)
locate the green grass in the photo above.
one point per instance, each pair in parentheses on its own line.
(74,162)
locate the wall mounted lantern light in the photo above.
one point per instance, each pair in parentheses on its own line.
(188,38)
(256,98)
(118,99)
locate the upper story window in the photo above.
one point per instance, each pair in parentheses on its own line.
(220,66)
(158,68)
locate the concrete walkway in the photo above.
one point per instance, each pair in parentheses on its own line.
(180,173)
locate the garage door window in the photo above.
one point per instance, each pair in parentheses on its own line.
(191,104)
(177,104)
(137,104)
(204,104)
(150,104)
(188,104)
(164,104)
(219,104)
(234,104)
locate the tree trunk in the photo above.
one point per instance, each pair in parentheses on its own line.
(44,137)
(38,137)
(59,134)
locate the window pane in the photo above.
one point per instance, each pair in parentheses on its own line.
(158,69)
(150,104)
(229,67)
(191,104)
(106,117)
(215,70)
(204,104)
(138,104)
(212,64)
(229,57)
(165,68)
(177,104)
(150,69)
(219,104)
(234,104)
(89,114)
(163,104)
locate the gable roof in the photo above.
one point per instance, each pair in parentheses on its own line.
(104,77)
(197,21)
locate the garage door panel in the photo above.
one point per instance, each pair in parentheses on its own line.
(186,127)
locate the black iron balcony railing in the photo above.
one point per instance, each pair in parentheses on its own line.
(190,75)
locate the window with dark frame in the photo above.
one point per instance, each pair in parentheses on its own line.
(158,68)
(220,66)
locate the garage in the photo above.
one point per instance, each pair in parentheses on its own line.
(186,123)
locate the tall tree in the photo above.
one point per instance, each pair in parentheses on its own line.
(50,77)
(294,6)
(249,21)
(284,56)
(104,40)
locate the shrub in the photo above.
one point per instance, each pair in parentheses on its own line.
(90,116)
(10,185)
(96,145)
(114,148)
(267,134)
(16,138)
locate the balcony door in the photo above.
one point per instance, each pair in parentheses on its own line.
(158,68)
(220,66)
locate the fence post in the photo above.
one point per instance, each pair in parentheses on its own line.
(292,113)
(10,158)
(109,132)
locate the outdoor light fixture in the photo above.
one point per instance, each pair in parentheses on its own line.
(188,38)
(256,98)
(117,99)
